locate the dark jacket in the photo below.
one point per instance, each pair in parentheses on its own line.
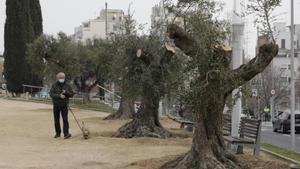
(57,89)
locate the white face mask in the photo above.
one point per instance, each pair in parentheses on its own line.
(61,80)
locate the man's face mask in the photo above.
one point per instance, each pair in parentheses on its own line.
(61,80)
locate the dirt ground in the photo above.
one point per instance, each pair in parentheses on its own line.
(27,142)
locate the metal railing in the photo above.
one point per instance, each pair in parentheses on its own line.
(35,92)
(110,98)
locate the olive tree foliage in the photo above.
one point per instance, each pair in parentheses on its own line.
(95,60)
(211,81)
(149,64)
(121,43)
(86,65)
(264,12)
(141,64)
(49,55)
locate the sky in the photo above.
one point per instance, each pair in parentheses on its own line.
(65,15)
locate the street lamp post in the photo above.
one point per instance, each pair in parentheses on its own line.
(106,22)
(292,28)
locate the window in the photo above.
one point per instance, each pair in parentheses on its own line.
(283,43)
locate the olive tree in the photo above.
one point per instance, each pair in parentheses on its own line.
(211,82)
(86,65)
(144,73)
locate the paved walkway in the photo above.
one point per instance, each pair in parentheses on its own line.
(27,142)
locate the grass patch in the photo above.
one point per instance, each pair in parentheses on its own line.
(282,151)
(93,105)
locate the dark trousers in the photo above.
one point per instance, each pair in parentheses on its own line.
(63,111)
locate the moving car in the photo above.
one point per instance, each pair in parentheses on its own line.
(282,121)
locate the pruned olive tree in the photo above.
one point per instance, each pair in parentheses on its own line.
(211,82)
(148,64)
(121,43)
(118,74)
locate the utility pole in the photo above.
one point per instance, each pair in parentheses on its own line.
(292,77)
(106,22)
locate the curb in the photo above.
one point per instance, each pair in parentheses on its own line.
(280,156)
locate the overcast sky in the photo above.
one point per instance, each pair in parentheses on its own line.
(64,15)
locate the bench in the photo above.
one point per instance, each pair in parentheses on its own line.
(189,125)
(226,125)
(183,123)
(249,135)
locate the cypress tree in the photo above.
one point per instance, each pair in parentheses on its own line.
(37,24)
(23,25)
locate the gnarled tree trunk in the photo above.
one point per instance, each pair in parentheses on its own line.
(208,150)
(146,122)
(125,111)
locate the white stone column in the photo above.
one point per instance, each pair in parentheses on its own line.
(237,60)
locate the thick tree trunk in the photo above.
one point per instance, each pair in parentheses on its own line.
(125,111)
(101,91)
(86,95)
(146,122)
(208,150)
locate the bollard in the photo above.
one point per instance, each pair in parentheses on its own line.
(293,166)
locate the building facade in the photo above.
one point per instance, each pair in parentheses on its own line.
(96,28)
(161,17)
(282,62)
(277,75)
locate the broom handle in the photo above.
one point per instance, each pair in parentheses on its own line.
(75,119)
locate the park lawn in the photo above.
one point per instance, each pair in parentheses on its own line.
(282,151)
(93,105)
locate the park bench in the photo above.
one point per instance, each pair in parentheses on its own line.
(183,122)
(226,125)
(189,124)
(249,135)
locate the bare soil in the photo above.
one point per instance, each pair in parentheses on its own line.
(26,142)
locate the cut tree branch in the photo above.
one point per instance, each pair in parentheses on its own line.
(248,71)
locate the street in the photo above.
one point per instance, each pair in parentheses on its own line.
(279,139)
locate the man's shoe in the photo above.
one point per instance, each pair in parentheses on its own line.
(57,136)
(68,136)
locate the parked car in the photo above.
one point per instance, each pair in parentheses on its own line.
(282,121)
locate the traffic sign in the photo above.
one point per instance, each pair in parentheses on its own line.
(254,93)
(273,92)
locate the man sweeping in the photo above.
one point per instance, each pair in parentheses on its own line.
(60,94)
